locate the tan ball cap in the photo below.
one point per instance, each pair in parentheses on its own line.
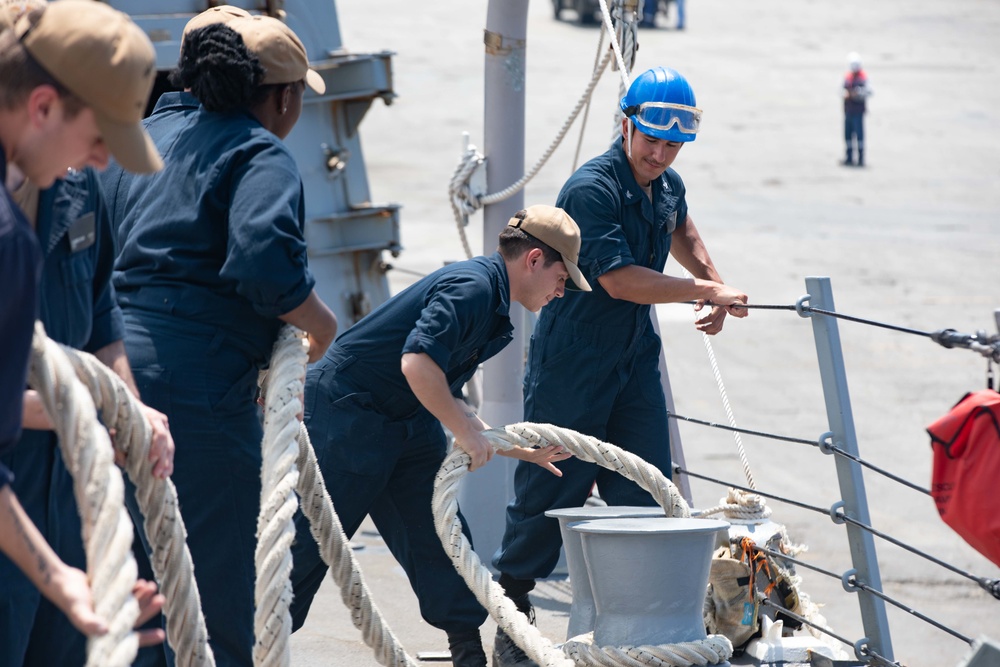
(553,227)
(107,61)
(279,49)
(221,14)
(12,10)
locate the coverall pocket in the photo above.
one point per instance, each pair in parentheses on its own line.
(356,438)
(555,348)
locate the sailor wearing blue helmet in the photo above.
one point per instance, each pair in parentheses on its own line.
(593,362)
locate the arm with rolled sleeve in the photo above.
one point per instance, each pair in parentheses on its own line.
(451,313)
(266,253)
(609,260)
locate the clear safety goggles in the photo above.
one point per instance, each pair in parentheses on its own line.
(663,116)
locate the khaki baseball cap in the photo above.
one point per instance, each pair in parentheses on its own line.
(221,14)
(279,49)
(12,10)
(107,61)
(553,227)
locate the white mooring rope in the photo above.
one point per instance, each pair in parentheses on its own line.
(336,552)
(490,594)
(157,500)
(100,495)
(278,502)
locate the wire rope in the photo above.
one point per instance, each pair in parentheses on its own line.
(803,441)
(865,587)
(991,586)
(859,648)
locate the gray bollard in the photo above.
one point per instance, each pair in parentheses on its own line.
(581,611)
(648,577)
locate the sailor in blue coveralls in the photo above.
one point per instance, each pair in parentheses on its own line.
(212,262)
(47,127)
(600,347)
(78,309)
(376,403)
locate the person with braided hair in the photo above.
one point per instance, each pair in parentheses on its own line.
(211,264)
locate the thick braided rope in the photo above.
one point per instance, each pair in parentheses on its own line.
(709,651)
(739,505)
(100,495)
(157,499)
(278,502)
(464,203)
(336,552)
(477,576)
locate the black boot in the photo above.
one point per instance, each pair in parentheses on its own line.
(849,159)
(467,649)
(861,157)
(506,653)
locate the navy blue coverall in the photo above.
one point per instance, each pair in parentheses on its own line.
(593,360)
(211,253)
(20,271)
(78,309)
(379,448)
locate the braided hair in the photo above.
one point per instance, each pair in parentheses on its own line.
(218,68)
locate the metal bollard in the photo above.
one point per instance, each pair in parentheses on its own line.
(648,577)
(581,611)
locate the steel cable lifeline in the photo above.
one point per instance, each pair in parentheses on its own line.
(278,502)
(578,650)
(100,494)
(823,443)
(157,500)
(991,586)
(861,649)
(850,580)
(986,345)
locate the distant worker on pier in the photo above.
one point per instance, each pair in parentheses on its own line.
(376,403)
(593,365)
(856,91)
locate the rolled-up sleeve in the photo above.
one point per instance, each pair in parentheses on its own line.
(595,208)
(108,323)
(266,251)
(451,310)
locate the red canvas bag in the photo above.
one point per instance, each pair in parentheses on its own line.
(966,444)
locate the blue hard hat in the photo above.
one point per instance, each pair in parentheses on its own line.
(661,104)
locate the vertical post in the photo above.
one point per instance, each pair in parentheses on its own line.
(852,485)
(484,494)
(682,482)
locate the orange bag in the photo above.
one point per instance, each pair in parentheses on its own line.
(966,444)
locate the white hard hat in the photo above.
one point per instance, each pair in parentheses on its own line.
(854,61)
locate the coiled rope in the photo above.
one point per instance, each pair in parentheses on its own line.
(739,506)
(464,202)
(336,552)
(100,495)
(278,502)
(712,650)
(157,500)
